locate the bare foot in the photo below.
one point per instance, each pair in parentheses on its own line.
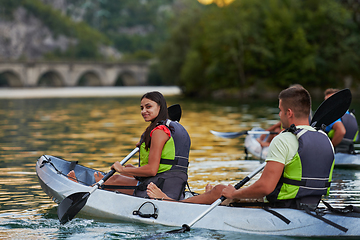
(154,192)
(71,176)
(208,187)
(98,176)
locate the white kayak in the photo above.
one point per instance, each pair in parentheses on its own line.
(342,160)
(52,171)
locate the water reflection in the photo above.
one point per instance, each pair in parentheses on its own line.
(99,131)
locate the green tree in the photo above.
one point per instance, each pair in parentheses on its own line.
(172,55)
(331,29)
(271,43)
(132,25)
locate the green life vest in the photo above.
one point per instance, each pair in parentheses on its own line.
(309,173)
(168,152)
(175,153)
(172,176)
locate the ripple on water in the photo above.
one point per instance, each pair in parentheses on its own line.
(99,131)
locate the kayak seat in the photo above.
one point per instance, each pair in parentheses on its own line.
(86,177)
(345,146)
(72,165)
(83,175)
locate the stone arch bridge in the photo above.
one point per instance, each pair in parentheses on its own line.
(64,74)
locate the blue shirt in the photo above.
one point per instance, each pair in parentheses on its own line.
(329,127)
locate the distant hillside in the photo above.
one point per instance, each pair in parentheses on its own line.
(82,29)
(131,25)
(30,29)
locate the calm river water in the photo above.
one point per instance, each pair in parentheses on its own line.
(99,131)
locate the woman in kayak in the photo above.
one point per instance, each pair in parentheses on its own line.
(163,159)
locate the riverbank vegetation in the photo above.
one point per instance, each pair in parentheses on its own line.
(264,45)
(235,48)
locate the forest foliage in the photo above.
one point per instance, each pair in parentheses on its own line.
(203,48)
(271,44)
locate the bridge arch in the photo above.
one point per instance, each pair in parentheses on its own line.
(50,78)
(126,78)
(58,73)
(89,78)
(10,78)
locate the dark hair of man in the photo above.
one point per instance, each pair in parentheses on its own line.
(163,114)
(297,99)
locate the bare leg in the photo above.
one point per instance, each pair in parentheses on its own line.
(206,198)
(119,180)
(71,176)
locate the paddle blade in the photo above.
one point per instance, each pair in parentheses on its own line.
(332,108)
(228,134)
(71,205)
(174,112)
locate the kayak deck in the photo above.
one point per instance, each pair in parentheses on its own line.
(51,172)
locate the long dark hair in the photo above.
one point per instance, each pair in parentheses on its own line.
(163,114)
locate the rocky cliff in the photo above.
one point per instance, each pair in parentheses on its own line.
(25,37)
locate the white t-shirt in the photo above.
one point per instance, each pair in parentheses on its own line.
(284,146)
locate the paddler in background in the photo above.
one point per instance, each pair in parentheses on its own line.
(344,131)
(265,139)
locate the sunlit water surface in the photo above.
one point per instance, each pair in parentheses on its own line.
(99,131)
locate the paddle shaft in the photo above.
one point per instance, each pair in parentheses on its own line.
(238,134)
(113,171)
(237,186)
(261,132)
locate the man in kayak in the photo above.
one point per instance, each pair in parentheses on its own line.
(298,167)
(344,131)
